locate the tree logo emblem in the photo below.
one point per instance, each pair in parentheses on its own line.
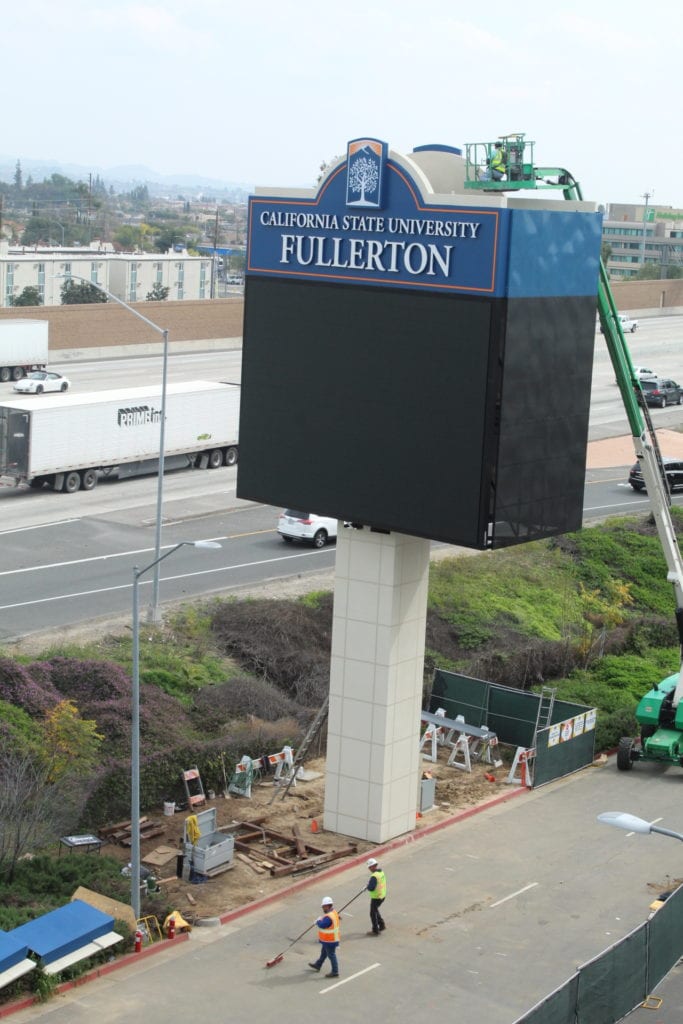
(365,170)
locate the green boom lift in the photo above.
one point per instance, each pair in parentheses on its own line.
(660,712)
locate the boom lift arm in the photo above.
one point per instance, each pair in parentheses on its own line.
(658,711)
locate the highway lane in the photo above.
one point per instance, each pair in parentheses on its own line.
(60,573)
(608,493)
(66,558)
(658,343)
(77,569)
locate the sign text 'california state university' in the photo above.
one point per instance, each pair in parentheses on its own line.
(369,225)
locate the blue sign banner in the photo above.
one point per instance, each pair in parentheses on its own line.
(369,225)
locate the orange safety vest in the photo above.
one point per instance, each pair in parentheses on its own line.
(330,934)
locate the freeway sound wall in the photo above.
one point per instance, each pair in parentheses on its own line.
(99,325)
(103,324)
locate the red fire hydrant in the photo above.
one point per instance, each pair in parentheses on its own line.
(138,941)
(171,928)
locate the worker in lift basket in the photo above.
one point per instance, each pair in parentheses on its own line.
(328,936)
(498,165)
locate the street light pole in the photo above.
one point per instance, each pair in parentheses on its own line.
(646,196)
(52,221)
(153,615)
(135,722)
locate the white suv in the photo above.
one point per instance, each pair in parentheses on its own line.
(293,525)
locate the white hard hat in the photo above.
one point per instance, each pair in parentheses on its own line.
(372,863)
(327,902)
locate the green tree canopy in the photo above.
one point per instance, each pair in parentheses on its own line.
(78,293)
(158,293)
(30,296)
(648,272)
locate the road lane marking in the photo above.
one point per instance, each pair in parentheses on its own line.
(512,895)
(125,554)
(143,583)
(40,526)
(350,978)
(613,504)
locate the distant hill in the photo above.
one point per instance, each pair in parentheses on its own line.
(126,177)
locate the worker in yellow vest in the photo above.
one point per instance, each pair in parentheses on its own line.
(328,937)
(377,887)
(498,165)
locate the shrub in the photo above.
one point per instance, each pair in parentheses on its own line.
(85,681)
(284,642)
(242,696)
(18,686)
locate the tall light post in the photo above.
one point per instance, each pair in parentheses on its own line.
(52,221)
(154,606)
(135,722)
(631,823)
(646,196)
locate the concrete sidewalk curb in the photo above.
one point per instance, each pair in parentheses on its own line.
(130,959)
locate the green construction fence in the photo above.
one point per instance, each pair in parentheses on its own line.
(563,746)
(610,986)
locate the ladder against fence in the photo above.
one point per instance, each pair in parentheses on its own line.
(546,704)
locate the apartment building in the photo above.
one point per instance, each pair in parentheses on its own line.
(129,276)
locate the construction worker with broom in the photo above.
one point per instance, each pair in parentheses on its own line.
(328,936)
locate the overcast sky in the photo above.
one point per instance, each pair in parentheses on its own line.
(261,92)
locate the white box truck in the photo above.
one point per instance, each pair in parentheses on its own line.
(23,347)
(67,441)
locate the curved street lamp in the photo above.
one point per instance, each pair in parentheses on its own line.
(631,823)
(135,723)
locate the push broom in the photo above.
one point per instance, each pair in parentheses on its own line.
(280,957)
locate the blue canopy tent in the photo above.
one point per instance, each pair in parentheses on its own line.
(67,935)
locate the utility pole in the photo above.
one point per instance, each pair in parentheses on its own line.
(215,257)
(646,196)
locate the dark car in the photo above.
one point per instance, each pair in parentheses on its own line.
(660,391)
(672,467)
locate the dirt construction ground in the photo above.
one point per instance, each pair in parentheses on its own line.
(302,808)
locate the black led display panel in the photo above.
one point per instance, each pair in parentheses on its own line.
(372,405)
(460,419)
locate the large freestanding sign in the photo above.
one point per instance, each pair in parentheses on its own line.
(418,361)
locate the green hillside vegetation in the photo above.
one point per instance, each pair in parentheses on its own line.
(590,613)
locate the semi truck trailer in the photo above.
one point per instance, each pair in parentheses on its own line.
(67,442)
(23,347)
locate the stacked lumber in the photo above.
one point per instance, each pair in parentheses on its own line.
(121,831)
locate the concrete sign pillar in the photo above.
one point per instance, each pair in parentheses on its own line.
(378,639)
